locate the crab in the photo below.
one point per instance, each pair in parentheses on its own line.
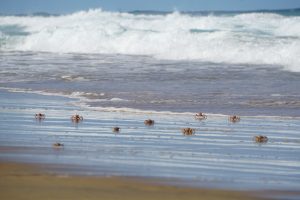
(188,131)
(260,139)
(116,129)
(234,118)
(149,122)
(40,116)
(200,116)
(57,145)
(76,118)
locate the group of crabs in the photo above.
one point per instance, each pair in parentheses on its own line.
(149,122)
(232,118)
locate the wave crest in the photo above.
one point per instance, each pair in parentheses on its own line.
(253,38)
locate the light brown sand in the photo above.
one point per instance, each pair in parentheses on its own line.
(22,181)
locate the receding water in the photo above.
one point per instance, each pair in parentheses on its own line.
(219,155)
(146,83)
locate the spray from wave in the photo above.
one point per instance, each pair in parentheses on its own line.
(248,38)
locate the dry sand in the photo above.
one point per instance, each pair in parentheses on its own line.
(24,181)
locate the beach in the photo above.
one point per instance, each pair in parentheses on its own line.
(20,181)
(221,155)
(72,113)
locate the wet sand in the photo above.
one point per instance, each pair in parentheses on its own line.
(220,157)
(24,181)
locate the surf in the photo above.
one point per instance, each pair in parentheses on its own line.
(262,38)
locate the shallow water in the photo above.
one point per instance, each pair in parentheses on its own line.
(219,155)
(241,62)
(145,83)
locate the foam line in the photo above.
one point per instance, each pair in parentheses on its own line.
(251,38)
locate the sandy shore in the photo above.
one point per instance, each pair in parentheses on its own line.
(23,181)
(221,156)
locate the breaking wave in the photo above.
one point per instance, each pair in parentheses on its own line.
(247,38)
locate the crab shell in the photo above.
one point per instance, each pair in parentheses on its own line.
(200,116)
(116,129)
(149,122)
(188,131)
(260,139)
(58,144)
(234,118)
(77,118)
(40,116)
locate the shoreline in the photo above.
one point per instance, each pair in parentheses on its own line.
(30,181)
(78,100)
(220,157)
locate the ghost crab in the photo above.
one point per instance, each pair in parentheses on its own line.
(116,129)
(234,118)
(149,122)
(200,116)
(260,139)
(188,131)
(76,118)
(40,116)
(58,145)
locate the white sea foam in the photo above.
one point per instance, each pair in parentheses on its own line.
(255,38)
(73,78)
(82,100)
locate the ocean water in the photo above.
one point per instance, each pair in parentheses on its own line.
(121,68)
(243,63)
(219,155)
